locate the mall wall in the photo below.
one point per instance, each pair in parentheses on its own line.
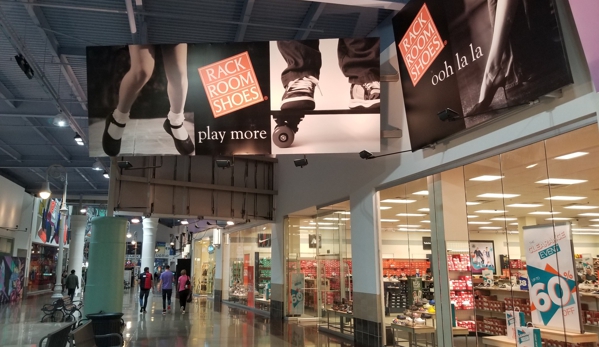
(17,210)
(333,178)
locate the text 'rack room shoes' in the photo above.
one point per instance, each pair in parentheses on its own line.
(184,147)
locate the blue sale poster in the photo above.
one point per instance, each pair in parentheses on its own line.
(554,297)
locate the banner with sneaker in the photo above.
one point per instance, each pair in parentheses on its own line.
(235,98)
(463,62)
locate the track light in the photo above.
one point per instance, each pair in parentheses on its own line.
(105,174)
(79,140)
(301,162)
(97,165)
(223,163)
(45,192)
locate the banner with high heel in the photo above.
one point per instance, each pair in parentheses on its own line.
(235,98)
(464,62)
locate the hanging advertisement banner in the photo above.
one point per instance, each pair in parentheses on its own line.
(554,296)
(296,294)
(475,58)
(235,98)
(585,13)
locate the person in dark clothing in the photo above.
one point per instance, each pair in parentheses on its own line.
(358,59)
(145,285)
(72,283)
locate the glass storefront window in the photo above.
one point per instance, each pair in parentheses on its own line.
(204,267)
(42,268)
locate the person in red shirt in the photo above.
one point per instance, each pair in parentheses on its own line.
(145,284)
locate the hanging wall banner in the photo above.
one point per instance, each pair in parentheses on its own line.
(554,297)
(585,14)
(475,58)
(235,98)
(296,294)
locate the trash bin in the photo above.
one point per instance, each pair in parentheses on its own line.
(105,323)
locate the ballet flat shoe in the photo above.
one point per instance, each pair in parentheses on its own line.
(183,147)
(111,146)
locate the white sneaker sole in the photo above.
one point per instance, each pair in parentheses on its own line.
(357,103)
(296,98)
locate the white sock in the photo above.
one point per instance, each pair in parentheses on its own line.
(177,119)
(114,131)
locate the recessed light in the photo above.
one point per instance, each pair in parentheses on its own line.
(498,195)
(425,221)
(491,211)
(410,214)
(409,226)
(105,174)
(491,228)
(545,212)
(506,219)
(421,192)
(581,207)
(513,224)
(558,218)
(389,220)
(566,198)
(571,155)
(472,216)
(472,203)
(560,181)
(486,178)
(385,207)
(525,205)
(531,166)
(479,222)
(589,214)
(424,209)
(398,201)
(343,218)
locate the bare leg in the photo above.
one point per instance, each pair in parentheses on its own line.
(142,66)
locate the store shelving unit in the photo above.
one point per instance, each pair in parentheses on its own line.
(262,275)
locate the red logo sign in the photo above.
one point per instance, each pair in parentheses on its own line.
(231,84)
(420,45)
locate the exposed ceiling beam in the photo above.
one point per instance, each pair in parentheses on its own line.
(12,36)
(38,18)
(310,20)
(32,160)
(18,115)
(7,96)
(384,4)
(45,134)
(248,6)
(142,31)
(86,179)
(71,51)
(11,152)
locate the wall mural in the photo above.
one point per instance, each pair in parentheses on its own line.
(12,276)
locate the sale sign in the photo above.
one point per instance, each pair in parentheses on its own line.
(296,294)
(554,297)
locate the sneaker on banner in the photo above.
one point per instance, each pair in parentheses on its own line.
(366,95)
(299,94)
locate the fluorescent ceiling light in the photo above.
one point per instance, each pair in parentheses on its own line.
(424,209)
(513,224)
(571,155)
(594,225)
(593,220)
(581,207)
(531,166)
(545,212)
(472,203)
(230,222)
(409,229)
(491,228)
(305,227)
(513,232)
(343,212)
(525,205)
(184,222)
(330,218)
(479,222)
(491,211)
(558,218)
(501,218)
(389,220)
(425,221)
(584,229)
(486,178)
(385,207)
(409,226)
(575,233)
(589,214)
(566,198)
(343,218)
(398,201)
(560,181)
(410,214)
(472,216)
(329,228)
(421,192)
(498,195)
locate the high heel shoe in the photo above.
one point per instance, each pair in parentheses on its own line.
(492,85)
(111,146)
(184,147)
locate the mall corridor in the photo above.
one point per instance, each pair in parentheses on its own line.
(199,326)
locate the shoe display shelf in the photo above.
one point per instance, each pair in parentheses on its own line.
(262,275)
(402,266)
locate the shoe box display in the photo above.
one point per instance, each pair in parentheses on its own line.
(517,264)
(463,300)
(262,275)
(330,280)
(491,325)
(396,296)
(468,324)
(458,262)
(590,317)
(518,304)
(488,302)
(404,267)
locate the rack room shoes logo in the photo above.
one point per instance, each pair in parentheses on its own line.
(420,45)
(231,84)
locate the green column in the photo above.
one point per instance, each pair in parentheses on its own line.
(104,287)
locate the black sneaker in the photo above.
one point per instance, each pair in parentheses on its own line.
(141,310)
(111,146)
(299,94)
(366,95)
(183,147)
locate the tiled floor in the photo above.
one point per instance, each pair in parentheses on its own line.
(200,326)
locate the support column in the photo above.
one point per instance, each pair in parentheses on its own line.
(277,274)
(76,246)
(58,284)
(104,288)
(148,253)
(218,274)
(367,265)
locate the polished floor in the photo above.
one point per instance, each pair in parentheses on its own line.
(201,326)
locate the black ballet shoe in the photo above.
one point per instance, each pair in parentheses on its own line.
(111,146)
(183,147)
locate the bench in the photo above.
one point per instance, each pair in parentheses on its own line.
(83,336)
(57,338)
(71,309)
(53,311)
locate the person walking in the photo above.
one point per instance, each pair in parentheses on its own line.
(166,286)
(72,283)
(184,284)
(145,284)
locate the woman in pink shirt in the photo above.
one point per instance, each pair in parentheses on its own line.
(184,284)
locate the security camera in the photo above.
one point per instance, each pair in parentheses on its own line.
(300,162)
(448,115)
(366,155)
(223,163)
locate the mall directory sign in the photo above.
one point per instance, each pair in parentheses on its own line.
(476,58)
(280,97)
(554,296)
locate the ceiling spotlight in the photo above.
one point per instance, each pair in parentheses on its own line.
(135,220)
(156,250)
(45,191)
(184,222)
(366,155)
(79,140)
(105,174)
(129,235)
(83,210)
(59,121)
(97,165)
(172,243)
(133,242)
(230,222)
(301,162)
(223,163)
